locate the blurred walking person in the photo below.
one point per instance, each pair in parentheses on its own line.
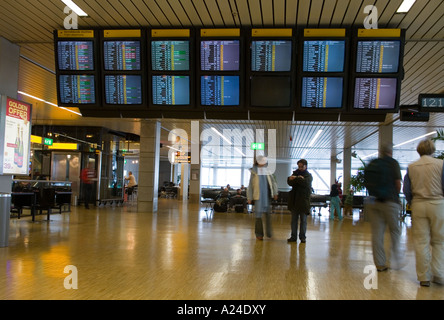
(383,182)
(261,189)
(423,189)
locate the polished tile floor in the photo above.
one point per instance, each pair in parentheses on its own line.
(184,252)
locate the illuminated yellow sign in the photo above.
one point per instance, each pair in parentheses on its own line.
(63,146)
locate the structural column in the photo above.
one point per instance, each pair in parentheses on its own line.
(195,168)
(385,135)
(148,184)
(333,167)
(346,170)
(282,172)
(9,71)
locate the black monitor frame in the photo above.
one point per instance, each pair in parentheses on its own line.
(258,111)
(96,72)
(190,73)
(309,74)
(211,110)
(354,75)
(142,72)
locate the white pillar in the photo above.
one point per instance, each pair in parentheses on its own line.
(283,171)
(148,183)
(385,135)
(9,71)
(346,170)
(333,166)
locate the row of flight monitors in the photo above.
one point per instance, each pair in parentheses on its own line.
(304,70)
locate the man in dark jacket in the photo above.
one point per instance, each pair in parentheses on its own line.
(299,200)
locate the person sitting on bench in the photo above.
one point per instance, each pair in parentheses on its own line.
(131,184)
(239,202)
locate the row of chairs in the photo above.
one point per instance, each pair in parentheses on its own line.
(45,199)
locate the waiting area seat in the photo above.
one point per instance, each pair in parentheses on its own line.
(39,199)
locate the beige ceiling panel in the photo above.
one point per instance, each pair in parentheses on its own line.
(291,12)
(315,12)
(191,13)
(226,12)
(202,11)
(303,12)
(338,15)
(327,13)
(256,13)
(243,12)
(168,12)
(214,12)
(279,13)
(267,13)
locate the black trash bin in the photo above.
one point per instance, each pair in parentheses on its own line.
(5,208)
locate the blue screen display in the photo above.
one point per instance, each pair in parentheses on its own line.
(171,90)
(322,92)
(378,56)
(324,56)
(271,55)
(123,89)
(219,90)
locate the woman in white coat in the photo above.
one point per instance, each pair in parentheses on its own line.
(261,189)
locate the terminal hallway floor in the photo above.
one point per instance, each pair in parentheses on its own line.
(185,252)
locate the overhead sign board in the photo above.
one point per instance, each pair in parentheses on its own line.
(431,102)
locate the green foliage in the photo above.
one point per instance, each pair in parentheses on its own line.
(357,181)
(439,136)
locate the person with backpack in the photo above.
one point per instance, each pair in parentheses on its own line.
(424,191)
(382,178)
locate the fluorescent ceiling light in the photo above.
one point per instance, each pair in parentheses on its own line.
(403,143)
(75,8)
(405,6)
(50,103)
(414,139)
(238,150)
(315,138)
(220,134)
(173,148)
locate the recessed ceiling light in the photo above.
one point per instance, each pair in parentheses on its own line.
(405,6)
(75,8)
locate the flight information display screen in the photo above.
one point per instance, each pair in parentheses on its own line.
(219,90)
(75,55)
(170,55)
(324,56)
(271,55)
(375,93)
(220,55)
(322,92)
(171,90)
(270,91)
(77,89)
(123,89)
(378,56)
(121,55)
